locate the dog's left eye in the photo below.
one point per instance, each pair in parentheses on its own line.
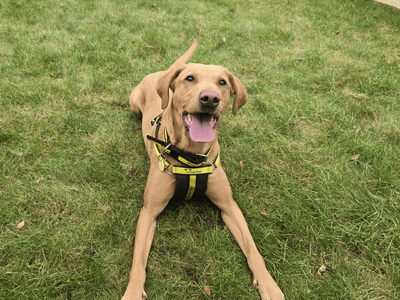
(222,82)
(189,78)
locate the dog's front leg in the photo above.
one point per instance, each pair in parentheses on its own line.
(143,239)
(219,191)
(156,197)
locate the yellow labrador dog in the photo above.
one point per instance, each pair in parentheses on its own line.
(181,109)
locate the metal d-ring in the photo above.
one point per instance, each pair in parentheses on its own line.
(165,148)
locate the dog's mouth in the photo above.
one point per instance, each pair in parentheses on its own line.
(201,126)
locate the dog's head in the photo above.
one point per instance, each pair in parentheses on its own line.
(201,95)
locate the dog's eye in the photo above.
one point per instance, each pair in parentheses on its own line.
(189,78)
(222,82)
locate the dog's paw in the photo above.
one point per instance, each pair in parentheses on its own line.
(268,291)
(135,296)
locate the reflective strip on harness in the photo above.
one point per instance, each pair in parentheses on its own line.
(216,161)
(192,187)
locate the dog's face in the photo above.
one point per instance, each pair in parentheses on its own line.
(201,95)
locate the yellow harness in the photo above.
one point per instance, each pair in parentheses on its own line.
(193,177)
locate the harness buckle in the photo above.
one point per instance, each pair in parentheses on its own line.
(165,148)
(203,155)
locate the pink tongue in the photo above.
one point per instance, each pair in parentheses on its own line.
(201,132)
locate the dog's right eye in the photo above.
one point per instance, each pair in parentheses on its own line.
(189,78)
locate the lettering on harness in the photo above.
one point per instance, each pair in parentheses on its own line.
(192,171)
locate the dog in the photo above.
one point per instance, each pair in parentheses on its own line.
(181,109)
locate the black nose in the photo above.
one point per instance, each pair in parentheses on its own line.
(209,99)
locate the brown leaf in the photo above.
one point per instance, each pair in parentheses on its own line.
(242,163)
(207,290)
(132,173)
(355,157)
(20,225)
(322,269)
(224,40)
(337,32)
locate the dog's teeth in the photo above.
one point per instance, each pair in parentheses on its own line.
(189,117)
(212,119)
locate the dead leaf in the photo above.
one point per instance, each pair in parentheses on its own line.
(337,32)
(355,157)
(224,40)
(322,269)
(242,163)
(199,25)
(207,290)
(132,173)
(20,225)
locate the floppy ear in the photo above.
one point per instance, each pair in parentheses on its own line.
(239,91)
(164,84)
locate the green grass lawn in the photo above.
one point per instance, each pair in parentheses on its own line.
(320,135)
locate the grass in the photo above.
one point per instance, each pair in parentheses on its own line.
(323,80)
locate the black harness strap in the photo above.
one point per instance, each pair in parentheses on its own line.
(183,187)
(179,154)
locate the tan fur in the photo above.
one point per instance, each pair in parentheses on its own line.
(169,91)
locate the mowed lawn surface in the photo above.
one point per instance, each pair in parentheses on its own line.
(319,137)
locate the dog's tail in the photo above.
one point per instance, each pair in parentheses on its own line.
(185,57)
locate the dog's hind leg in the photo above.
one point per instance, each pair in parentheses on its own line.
(136,100)
(144,96)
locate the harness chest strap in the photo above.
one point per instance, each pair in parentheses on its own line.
(187,158)
(193,177)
